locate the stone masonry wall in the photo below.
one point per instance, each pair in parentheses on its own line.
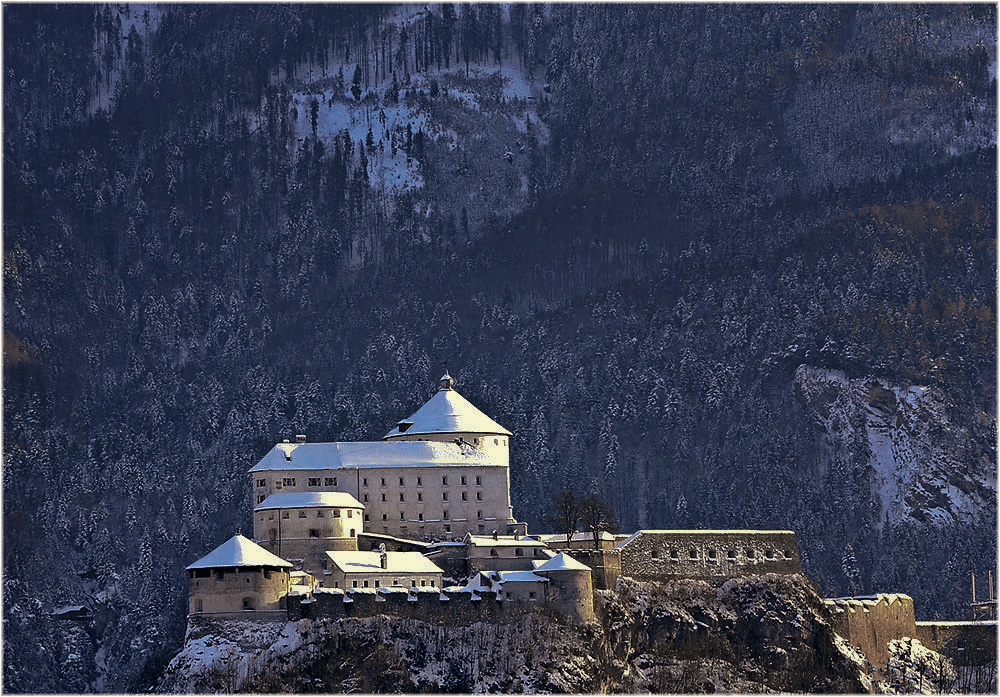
(459,608)
(871,622)
(605,566)
(966,643)
(653,555)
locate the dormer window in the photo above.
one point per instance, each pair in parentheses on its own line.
(404,426)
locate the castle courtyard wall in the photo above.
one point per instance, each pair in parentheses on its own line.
(870,623)
(224,590)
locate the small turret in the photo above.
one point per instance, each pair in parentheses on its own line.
(446,381)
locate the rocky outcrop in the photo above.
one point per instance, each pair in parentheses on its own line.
(748,635)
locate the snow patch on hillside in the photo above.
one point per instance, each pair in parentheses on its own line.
(922,467)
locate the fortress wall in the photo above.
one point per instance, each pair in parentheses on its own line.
(870,623)
(653,555)
(459,609)
(965,643)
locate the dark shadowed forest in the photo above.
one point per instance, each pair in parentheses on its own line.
(726,266)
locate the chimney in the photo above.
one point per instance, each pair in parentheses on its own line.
(495,535)
(517,534)
(300,438)
(383,558)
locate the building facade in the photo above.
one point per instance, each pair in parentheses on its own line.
(439,474)
(236,578)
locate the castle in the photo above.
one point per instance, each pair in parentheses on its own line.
(355,527)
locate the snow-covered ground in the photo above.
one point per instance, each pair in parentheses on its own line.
(920,463)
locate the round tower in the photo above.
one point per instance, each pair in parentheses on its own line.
(570,589)
(237,577)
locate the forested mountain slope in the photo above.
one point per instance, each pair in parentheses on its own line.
(685,253)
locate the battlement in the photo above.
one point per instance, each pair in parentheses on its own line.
(870,622)
(451,606)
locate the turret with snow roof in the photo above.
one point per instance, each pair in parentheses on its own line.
(237,578)
(571,590)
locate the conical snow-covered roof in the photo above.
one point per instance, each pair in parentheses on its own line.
(447,412)
(239,551)
(562,562)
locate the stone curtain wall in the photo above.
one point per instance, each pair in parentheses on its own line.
(459,609)
(605,565)
(870,623)
(671,554)
(965,643)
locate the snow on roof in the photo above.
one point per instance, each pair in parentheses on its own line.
(317,456)
(309,499)
(396,563)
(520,577)
(562,562)
(448,412)
(742,533)
(239,551)
(503,541)
(577,537)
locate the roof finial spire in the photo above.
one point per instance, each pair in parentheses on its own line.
(446,381)
(239,531)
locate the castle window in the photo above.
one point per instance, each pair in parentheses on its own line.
(383,481)
(402,496)
(447,528)
(202,573)
(494,553)
(366,498)
(531,595)
(366,584)
(364,482)
(413,583)
(479,496)
(385,516)
(732,554)
(367,517)
(267,573)
(396,582)
(444,495)
(376,583)
(479,481)
(260,498)
(320,513)
(331,481)
(463,480)
(423,582)
(444,481)
(302,514)
(350,513)
(788,555)
(445,515)
(465,497)
(402,482)
(518,552)
(770,554)
(261,483)
(420,496)
(288,481)
(336,512)
(402,515)
(336,584)
(420,516)
(494,441)
(313,481)
(479,514)
(248,603)
(313,533)
(654,554)
(693,554)
(284,514)
(713,554)
(383,498)
(751,554)
(219,575)
(354,584)
(420,481)
(277,483)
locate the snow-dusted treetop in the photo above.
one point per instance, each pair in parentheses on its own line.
(314,456)
(239,551)
(447,412)
(310,499)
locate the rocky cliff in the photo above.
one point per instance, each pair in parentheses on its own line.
(749,635)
